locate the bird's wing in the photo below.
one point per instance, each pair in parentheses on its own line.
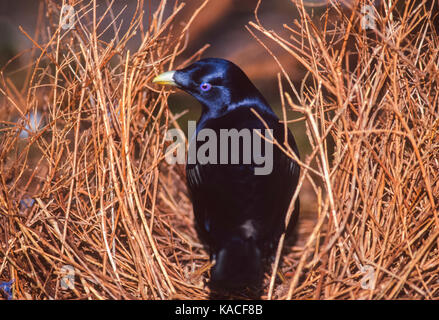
(196,181)
(287,176)
(232,198)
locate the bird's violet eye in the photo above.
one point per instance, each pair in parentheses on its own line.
(205,86)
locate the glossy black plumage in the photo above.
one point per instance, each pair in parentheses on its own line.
(239,215)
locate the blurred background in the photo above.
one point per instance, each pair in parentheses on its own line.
(221,25)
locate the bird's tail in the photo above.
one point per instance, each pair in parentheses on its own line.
(238,265)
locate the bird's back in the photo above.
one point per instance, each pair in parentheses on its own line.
(231,202)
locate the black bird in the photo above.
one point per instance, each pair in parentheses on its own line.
(239,214)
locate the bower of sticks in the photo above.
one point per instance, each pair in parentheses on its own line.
(85,189)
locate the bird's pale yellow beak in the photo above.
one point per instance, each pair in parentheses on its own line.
(165,78)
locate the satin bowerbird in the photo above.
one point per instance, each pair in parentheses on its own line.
(240,193)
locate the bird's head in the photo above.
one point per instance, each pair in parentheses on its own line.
(218,84)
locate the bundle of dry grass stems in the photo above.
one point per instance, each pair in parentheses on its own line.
(89,188)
